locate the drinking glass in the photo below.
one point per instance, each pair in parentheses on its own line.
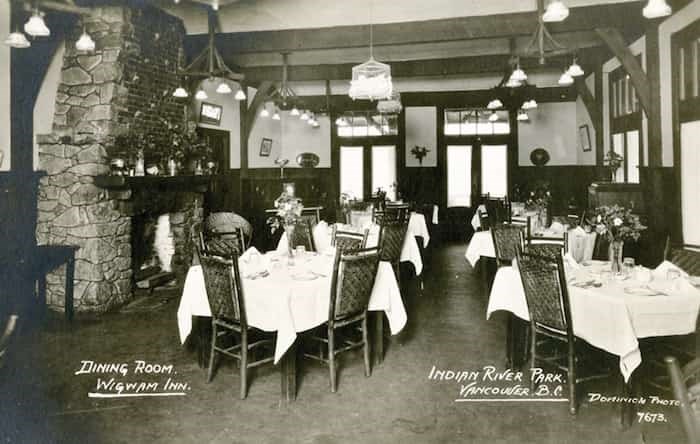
(628,267)
(300,251)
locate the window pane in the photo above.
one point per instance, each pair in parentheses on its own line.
(632,156)
(459,175)
(452,120)
(351,171)
(368,123)
(494,170)
(618,141)
(384,170)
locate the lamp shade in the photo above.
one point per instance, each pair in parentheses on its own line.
(371,81)
(17,40)
(223,88)
(36,27)
(294,112)
(575,70)
(656,8)
(556,12)
(180,93)
(304,115)
(495,104)
(512,83)
(566,79)
(522,116)
(493,117)
(518,75)
(201,95)
(240,95)
(264,112)
(530,104)
(85,43)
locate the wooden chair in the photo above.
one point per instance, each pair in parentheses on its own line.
(547,249)
(548,304)
(311,215)
(686,389)
(498,210)
(484,221)
(223,284)
(391,238)
(398,211)
(684,256)
(507,239)
(348,240)
(223,244)
(354,273)
(303,236)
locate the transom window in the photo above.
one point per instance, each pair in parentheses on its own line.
(476,122)
(367,124)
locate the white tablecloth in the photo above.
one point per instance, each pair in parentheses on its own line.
(481,244)
(608,317)
(410,252)
(287,305)
(517,208)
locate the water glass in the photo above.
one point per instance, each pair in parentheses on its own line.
(300,251)
(628,267)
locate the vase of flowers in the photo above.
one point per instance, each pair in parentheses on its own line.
(419,152)
(614,161)
(289,210)
(540,201)
(618,225)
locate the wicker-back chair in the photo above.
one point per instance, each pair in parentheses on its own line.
(223,284)
(311,215)
(498,210)
(507,239)
(549,308)
(224,244)
(684,256)
(686,389)
(549,250)
(302,236)
(391,238)
(348,240)
(484,221)
(354,272)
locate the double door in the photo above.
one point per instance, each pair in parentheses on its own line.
(474,168)
(366,167)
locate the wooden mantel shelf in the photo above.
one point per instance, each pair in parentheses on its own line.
(164,183)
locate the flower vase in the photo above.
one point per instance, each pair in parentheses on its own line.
(542,218)
(289,231)
(615,256)
(172,167)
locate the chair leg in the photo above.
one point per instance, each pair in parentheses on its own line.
(571,375)
(212,353)
(244,365)
(331,359)
(365,340)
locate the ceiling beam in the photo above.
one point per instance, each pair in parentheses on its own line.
(430,31)
(618,46)
(420,68)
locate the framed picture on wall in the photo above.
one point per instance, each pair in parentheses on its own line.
(210,113)
(584,137)
(265,147)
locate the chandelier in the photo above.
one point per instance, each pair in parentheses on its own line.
(209,64)
(371,80)
(36,27)
(392,105)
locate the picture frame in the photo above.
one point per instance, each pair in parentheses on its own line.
(584,137)
(210,113)
(265,147)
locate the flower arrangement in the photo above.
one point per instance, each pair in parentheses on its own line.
(183,143)
(419,152)
(616,223)
(539,197)
(289,210)
(614,161)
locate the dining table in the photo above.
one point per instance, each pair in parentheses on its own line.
(288,296)
(613,311)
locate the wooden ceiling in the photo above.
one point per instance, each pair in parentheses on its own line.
(438,47)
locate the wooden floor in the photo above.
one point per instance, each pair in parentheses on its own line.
(42,399)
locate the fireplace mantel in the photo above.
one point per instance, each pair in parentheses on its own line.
(165,183)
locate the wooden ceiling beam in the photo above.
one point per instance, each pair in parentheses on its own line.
(430,31)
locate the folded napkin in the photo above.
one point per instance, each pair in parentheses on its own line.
(571,262)
(435,215)
(663,268)
(322,239)
(249,254)
(556,228)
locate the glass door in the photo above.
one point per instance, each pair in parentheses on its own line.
(384,170)
(459,175)
(352,171)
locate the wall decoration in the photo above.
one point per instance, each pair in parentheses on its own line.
(419,152)
(307,160)
(265,147)
(539,157)
(584,137)
(210,113)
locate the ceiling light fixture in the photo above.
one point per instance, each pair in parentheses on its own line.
(392,105)
(17,40)
(495,104)
(341,121)
(201,95)
(530,104)
(276,115)
(575,69)
(656,9)
(85,42)
(556,12)
(522,116)
(493,117)
(240,95)
(223,88)
(294,112)
(371,80)
(566,79)
(304,115)
(180,93)
(264,112)
(35,26)
(518,74)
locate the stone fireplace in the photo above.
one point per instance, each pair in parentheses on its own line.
(99,94)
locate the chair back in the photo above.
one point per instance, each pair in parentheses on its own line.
(398,211)
(224,244)
(391,238)
(354,272)
(684,256)
(302,236)
(498,210)
(484,222)
(311,215)
(686,389)
(506,241)
(349,240)
(222,281)
(545,291)
(549,250)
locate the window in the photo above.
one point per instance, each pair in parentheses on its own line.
(626,144)
(625,126)
(475,122)
(367,124)
(384,170)
(459,175)
(351,171)
(494,170)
